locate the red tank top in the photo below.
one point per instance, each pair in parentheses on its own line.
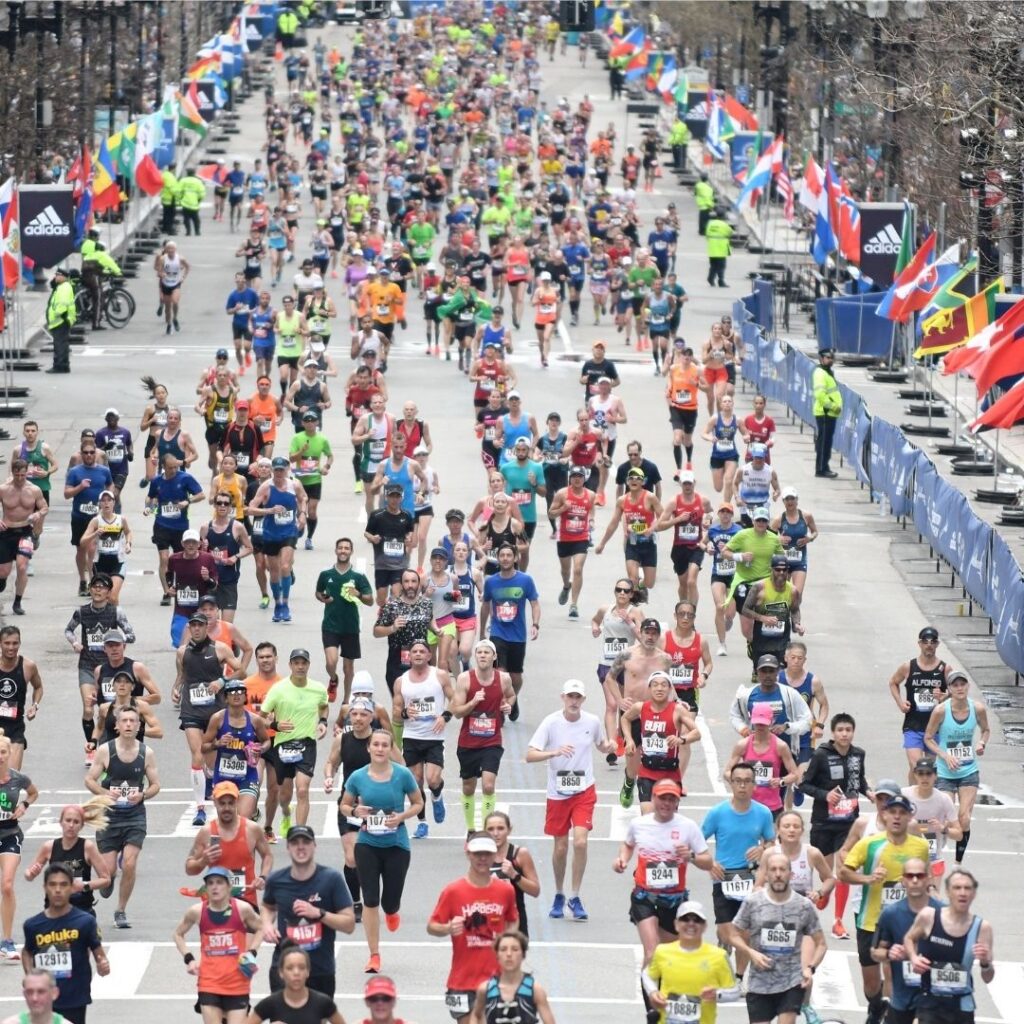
(657,759)
(636,515)
(220,946)
(493,374)
(482,726)
(413,435)
(585,451)
(574,522)
(236,857)
(685,660)
(767,766)
(358,400)
(688,533)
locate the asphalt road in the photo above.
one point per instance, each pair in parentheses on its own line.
(861,618)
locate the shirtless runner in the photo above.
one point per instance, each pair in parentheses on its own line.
(23,507)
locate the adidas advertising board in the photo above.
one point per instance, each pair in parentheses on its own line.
(207,89)
(47,217)
(880,227)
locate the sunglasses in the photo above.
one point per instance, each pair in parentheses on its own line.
(224,504)
(915,874)
(690,919)
(685,615)
(88,451)
(379,999)
(623,590)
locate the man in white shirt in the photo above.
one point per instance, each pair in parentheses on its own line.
(566,740)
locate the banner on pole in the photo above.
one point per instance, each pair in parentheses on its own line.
(47,216)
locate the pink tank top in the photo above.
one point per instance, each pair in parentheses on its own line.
(767,766)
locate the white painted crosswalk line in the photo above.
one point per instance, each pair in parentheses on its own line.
(1007,989)
(834,983)
(129,962)
(621,817)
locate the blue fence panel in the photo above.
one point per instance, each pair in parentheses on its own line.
(852,432)
(1006,600)
(802,370)
(977,546)
(924,488)
(856,330)
(823,323)
(765,312)
(949,513)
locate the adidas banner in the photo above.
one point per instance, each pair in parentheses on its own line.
(47,219)
(881,225)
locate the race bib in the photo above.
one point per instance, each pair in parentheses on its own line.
(425,709)
(308,466)
(778,629)
(521,497)
(284,518)
(8,711)
(846,807)
(109,543)
(739,887)
(88,508)
(892,892)
(290,753)
(778,940)
(483,726)
(661,875)
(725,446)
(220,415)
(682,1010)
(910,976)
(933,845)
(170,510)
(457,1002)
(115,454)
(681,676)
(199,694)
(613,646)
(393,547)
(725,567)
(94,638)
(188,596)
(376,824)
(506,611)
(683,397)
(961,751)
(264,423)
(232,766)
(950,980)
(56,961)
(687,532)
(762,774)
(306,935)
(242,460)
(569,783)
(794,555)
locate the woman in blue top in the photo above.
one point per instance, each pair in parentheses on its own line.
(723,568)
(377,794)
(796,529)
(237,738)
(721,431)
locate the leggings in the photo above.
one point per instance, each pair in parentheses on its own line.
(382,871)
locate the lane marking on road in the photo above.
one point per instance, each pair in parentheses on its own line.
(563,333)
(711,757)
(129,962)
(621,817)
(1007,988)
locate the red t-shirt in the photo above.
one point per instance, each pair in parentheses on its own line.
(487,911)
(760,433)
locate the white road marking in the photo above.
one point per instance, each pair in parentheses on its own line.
(1007,988)
(563,333)
(711,757)
(833,982)
(621,817)
(129,962)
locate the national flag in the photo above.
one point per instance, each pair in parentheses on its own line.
(122,149)
(956,285)
(949,328)
(914,286)
(667,80)
(784,188)
(739,114)
(10,236)
(654,65)
(681,93)
(83,217)
(636,66)
(811,185)
(188,112)
(966,356)
(80,173)
(1005,358)
(204,67)
(217,173)
(105,193)
(628,45)
(759,177)
(849,225)
(616,28)
(713,140)
(825,240)
(1004,413)
(147,137)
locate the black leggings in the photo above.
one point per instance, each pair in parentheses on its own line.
(382,868)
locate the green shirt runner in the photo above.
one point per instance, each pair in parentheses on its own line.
(341,616)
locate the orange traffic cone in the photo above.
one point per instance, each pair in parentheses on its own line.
(279,51)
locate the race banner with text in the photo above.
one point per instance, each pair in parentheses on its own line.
(881,231)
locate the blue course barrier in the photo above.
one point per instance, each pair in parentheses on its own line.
(882,458)
(848,324)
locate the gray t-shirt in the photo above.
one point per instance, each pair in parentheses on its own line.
(777,930)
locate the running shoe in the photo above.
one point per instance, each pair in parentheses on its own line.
(437,808)
(359,487)
(421,831)
(513,715)
(626,793)
(563,595)
(309,543)
(373,964)
(277,612)
(175,322)
(248,359)
(722,652)
(108,890)
(165,601)
(200,819)
(612,759)
(8,950)
(798,798)
(574,612)
(286,822)
(168,329)
(268,834)
(121,919)
(265,601)
(577,910)
(160,310)
(83,588)
(16,607)
(392,922)
(557,906)
(599,501)
(332,689)
(286,613)
(838,931)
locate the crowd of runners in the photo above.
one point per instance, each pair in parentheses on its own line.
(426,169)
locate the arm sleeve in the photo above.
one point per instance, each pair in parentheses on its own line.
(124,625)
(72,627)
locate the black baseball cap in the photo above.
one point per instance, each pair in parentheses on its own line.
(928,633)
(299,652)
(301,832)
(650,623)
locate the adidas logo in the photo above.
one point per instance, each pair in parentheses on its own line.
(885,243)
(46,222)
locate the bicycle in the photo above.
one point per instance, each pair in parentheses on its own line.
(118,303)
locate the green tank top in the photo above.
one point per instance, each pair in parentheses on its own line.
(289,344)
(35,457)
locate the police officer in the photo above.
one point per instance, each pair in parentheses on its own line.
(718,232)
(168,202)
(95,263)
(828,406)
(190,193)
(704,197)
(678,137)
(60,318)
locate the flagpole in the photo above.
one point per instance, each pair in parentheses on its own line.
(995,464)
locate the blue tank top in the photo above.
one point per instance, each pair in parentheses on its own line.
(281,525)
(725,438)
(263,322)
(724,564)
(773,699)
(492,336)
(466,608)
(512,433)
(165,447)
(449,546)
(805,689)
(789,534)
(957,738)
(401,476)
(227,572)
(232,765)
(657,313)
